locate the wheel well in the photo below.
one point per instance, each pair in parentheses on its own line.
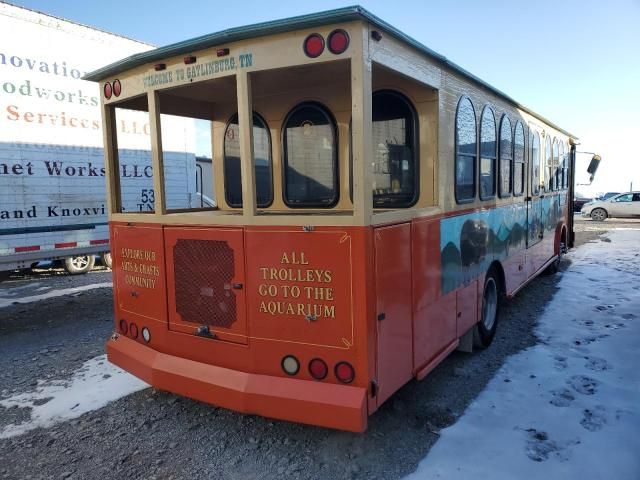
(498,271)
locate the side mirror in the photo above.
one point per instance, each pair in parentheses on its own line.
(593,167)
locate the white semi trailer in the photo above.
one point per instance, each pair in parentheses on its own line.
(52,185)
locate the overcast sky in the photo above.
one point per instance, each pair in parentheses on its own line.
(576,63)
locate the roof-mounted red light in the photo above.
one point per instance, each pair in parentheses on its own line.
(189,60)
(221,52)
(313,45)
(117,87)
(338,41)
(345,372)
(108,91)
(159,66)
(318,369)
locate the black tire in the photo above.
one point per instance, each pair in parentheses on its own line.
(107,261)
(485,329)
(598,214)
(79,264)
(554,267)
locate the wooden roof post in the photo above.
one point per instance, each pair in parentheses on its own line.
(245,124)
(160,205)
(362,149)
(112,174)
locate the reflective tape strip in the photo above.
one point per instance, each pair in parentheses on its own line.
(99,242)
(32,248)
(65,245)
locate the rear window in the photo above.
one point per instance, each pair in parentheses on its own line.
(310,157)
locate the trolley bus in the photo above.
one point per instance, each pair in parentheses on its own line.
(374,202)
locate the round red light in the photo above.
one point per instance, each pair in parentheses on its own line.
(123,326)
(117,87)
(133,330)
(318,369)
(338,41)
(107,90)
(344,372)
(314,45)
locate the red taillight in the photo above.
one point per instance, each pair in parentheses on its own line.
(222,52)
(189,60)
(117,87)
(133,330)
(313,45)
(345,372)
(107,90)
(123,326)
(318,369)
(338,41)
(159,66)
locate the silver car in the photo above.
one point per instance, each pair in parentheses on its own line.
(622,205)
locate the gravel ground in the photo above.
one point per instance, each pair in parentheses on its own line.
(153,434)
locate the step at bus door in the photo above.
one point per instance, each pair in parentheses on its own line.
(393,303)
(206,282)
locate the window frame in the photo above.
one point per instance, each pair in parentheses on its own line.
(555,163)
(224,157)
(547,160)
(494,158)
(473,197)
(524,160)
(415,147)
(509,193)
(535,189)
(335,160)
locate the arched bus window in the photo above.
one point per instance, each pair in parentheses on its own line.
(466,151)
(506,157)
(262,160)
(548,159)
(553,180)
(566,165)
(535,161)
(560,169)
(395,150)
(487,154)
(518,160)
(310,157)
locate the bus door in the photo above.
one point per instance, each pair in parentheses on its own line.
(393,304)
(205,282)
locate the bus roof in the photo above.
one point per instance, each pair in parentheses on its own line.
(339,15)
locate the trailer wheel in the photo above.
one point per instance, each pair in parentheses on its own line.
(107,260)
(485,329)
(80,264)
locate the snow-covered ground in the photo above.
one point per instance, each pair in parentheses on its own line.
(24,293)
(92,386)
(568,408)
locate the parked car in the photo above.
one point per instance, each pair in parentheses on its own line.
(579,202)
(621,205)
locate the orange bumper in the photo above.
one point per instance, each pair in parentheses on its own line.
(323,404)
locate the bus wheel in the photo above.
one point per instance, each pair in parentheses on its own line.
(79,264)
(599,214)
(107,261)
(485,329)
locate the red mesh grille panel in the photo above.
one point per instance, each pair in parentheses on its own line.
(203,273)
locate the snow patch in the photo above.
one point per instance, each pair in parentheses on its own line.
(93,386)
(571,407)
(6,301)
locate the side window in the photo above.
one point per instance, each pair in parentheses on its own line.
(566,164)
(636,197)
(518,160)
(395,152)
(560,181)
(628,197)
(310,157)
(548,158)
(535,161)
(487,154)
(466,151)
(555,168)
(506,157)
(262,159)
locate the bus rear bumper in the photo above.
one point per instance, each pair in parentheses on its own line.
(329,405)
